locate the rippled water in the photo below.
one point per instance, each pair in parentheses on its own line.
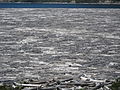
(46,43)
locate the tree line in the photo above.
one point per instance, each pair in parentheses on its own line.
(68,1)
(96,1)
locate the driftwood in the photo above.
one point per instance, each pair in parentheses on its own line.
(92,80)
(66,83)
(78,84)
(98,86)
(38,82)
(27,85)
(52,84)
(98,81)
(59,82)
(35,88)
(39,88)
(66,80)
(47,88)
(106,88)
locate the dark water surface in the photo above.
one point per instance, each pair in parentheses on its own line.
(39,5)
(46,43)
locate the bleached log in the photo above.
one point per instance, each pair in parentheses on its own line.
(27,85)
(78,84)
(92,80)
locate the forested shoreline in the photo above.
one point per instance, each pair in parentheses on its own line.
(66,1)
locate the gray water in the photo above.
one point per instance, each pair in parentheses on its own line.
(59,43)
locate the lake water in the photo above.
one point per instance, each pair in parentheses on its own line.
(43,43)
(39,5)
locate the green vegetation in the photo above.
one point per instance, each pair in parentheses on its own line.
(116,85)
(5,87)
(115,1)
(96,1)
(87,1)
(43,1)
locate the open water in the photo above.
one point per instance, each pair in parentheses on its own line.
(64,5)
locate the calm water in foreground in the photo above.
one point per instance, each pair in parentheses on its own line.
(46,43)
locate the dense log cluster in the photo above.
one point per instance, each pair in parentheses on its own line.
(73,83)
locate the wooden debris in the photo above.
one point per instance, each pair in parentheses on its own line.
(66,80)
(98,86)
(27,85)
(65,84)
(78,84)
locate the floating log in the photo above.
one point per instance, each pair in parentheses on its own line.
(59,82)
(78,84)
(66,80)
(38,82)
(27,85)
(98,86)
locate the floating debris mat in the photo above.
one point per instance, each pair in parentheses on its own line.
(79,83)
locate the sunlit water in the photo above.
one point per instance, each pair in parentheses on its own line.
(48,43)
